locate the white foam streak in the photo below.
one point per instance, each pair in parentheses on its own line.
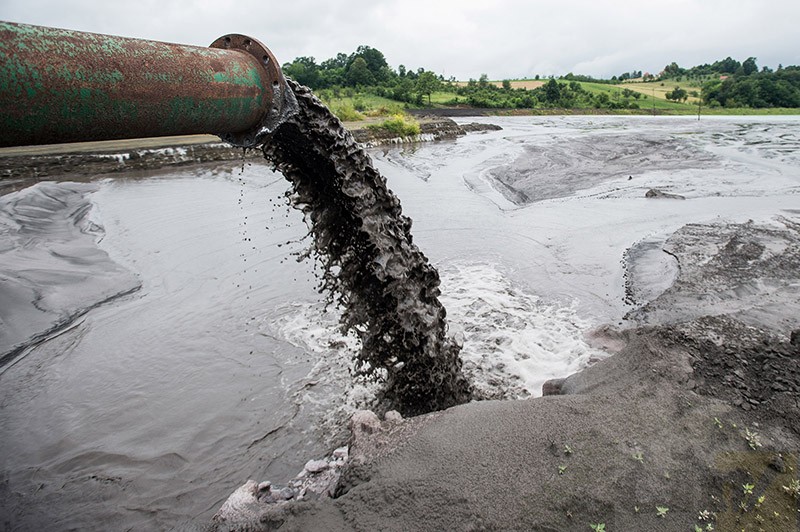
(512,340)
(331,385)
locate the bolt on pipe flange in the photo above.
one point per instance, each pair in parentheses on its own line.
(283,102)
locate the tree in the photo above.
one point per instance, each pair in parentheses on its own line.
(506,85)
(726,66)
(672,70)
(340,61)
(402,91)
(749,66)
(303,70)
(374,60)
(359,74)
(552,91)
(677,94)
(427,83)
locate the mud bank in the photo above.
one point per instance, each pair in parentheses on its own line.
(20,167)
(693,422)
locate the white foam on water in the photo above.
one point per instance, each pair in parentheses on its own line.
(331,386)
(513,341)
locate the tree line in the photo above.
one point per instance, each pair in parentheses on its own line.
(365,69)
(723,83)
(730,83)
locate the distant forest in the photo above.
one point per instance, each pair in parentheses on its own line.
(729,83)
(726,83)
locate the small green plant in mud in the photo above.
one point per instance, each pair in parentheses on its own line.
(599,527)
(753,439)
(399,125)
(717,422)
(748,488)
(567,450)
(639,457)
(562,469)
(793,489)
(661,511)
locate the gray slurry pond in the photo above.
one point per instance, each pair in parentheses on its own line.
(163,342)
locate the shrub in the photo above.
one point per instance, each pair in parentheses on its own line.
(390,109)
(399,125)
(345,112)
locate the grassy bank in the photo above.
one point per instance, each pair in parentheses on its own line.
(637,98)
(645,112)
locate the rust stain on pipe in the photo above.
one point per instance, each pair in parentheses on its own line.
(66,86)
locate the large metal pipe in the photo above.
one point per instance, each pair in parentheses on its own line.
(67,86)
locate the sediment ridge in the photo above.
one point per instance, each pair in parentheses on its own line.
(20,167)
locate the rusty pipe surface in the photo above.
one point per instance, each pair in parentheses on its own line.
(66,86)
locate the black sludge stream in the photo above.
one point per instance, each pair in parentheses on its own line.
(388,290)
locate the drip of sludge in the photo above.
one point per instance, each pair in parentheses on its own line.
(387,289)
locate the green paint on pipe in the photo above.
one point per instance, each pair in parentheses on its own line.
(60,85)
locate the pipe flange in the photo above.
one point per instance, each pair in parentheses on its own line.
(282,101)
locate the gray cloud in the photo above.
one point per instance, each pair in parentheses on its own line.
(464,38)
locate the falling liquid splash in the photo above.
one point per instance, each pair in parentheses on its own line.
(385,286)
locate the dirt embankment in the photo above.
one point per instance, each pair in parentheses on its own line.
(21,167)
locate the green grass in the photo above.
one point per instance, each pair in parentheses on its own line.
(747,111)
(362,105)
(400,125)
(659,101)
(444,97)
(368,107)
(345,111)
(661,88)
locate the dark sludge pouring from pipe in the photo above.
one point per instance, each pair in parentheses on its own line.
(68,86)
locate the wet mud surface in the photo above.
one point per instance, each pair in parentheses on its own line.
(701,398)
(746,366)
(150,410)
(553,170)
(748,271)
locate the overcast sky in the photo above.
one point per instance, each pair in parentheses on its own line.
(461,38)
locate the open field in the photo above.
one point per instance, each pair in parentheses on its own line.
(650,100)
(661,88)
(528,84)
